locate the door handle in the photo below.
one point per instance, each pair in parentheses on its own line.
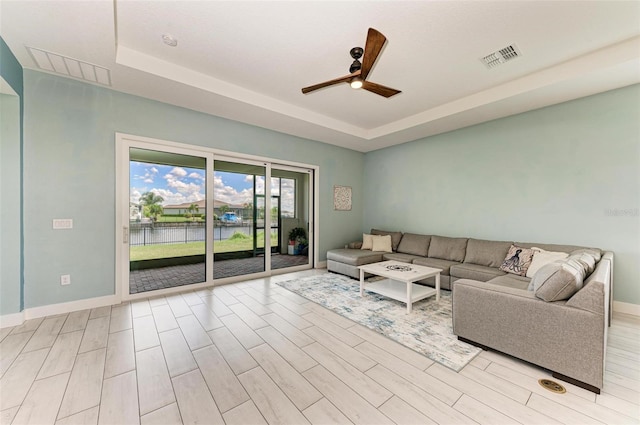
(125,234)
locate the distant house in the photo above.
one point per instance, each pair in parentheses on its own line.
(178,209)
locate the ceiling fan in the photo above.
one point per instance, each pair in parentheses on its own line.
(359,71)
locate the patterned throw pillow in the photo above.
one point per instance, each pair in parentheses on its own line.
(518,260)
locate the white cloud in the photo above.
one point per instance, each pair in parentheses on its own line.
(196,176)
(178,171)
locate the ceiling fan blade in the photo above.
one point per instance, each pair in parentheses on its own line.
(375,42)
(378,89)
(344,79)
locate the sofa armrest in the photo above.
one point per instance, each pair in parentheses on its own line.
(548,334)
(355,245)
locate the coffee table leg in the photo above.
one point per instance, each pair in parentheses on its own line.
(361,282)
(409,303)
(438,287)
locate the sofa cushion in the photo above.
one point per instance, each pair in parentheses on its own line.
(437,263)
(554,247)
(475,272)
(414,244)
(444,248)
(486,253)
(595,253)
(517,261)
(511,281)
(558,280)
(395,237)
(354,257)
(381,243)
(397,256)
(542,257)
(367,241)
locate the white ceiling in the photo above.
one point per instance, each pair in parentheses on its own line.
(247,61)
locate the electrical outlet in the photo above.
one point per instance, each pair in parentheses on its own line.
(65,279)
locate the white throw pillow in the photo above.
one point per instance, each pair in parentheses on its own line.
(367,241)
(542,258)
(382,243)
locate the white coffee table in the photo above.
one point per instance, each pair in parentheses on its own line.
(397,274)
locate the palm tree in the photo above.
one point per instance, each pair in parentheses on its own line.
(150,198)
(193,209)
(154,211)
(152,207)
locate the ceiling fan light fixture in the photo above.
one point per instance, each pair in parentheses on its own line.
(356,83)
(169,40)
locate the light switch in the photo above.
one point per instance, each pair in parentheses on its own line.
(63,223)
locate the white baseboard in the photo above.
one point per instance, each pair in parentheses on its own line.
(9,320)
(321,265)
(626,308)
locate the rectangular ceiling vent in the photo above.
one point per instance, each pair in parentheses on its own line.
(70,67)
(501,56)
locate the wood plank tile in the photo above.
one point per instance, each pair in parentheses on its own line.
(621,392)
(117,405)
(176,352)
(234,289)
(10,347)
(168,415)
(622,380)
(42,403)
(95,335)
(100,312)
(206,317)
(243,333)
(144,333)
(481,413)
(392,347)
(28,326)
(329,315)
(619,405)
(246,413)
(488,396)
(258,296)
(324,413)
(254,305)
(335,330)
(290,316)
(140,308)
(234,353)
(4,332)
(438,388)
(249,317)
(298,389)
(218,307)
(121,356)
(562,413)
(62,355)
(194,400)
(85,383)
(76,321)
(402,413)
(193,332)
(178,306)
(300,360)
(290,305)
(86,417)
(157,301)
(20,376)
(7,415)
(121,319)
(354,378)
(351,404)
(191,298)
(345,351)
(479,362)
(503,386)
(154,384)
(46,333)
(224,296)
(163,316)
(222,382)
(291,296)
(288,330)
(269,399)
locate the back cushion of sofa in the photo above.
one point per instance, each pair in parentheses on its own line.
(452,249)
(414,244)
(395,237)
(486,253)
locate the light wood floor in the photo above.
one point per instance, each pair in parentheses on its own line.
(254,353)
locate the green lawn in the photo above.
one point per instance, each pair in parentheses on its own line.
(150,252)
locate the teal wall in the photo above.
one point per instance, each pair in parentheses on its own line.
(69,164)
(11,300)
(567,174)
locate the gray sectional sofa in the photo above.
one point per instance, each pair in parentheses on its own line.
(528,318)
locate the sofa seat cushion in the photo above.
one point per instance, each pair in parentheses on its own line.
(511,281)
(437,263)
(486,253)
(444,248)
(559,280)
(475,272)
(395,237)
(354,257)
(414,244)
(397,256)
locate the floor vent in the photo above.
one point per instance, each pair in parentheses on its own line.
(501,56)
(552,386)
(70,67)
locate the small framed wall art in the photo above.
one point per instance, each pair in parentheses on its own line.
(342,198)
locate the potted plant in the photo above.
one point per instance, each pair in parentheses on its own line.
(296,235)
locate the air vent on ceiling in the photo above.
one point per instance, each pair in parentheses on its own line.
(70,67)
(501,56)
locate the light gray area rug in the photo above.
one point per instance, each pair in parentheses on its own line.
(427,330)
